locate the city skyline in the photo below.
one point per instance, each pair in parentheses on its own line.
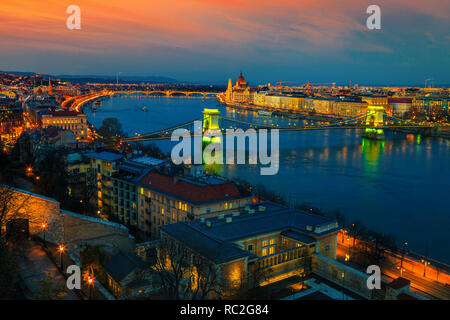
(206,42)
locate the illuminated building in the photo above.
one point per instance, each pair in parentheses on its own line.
(103,165)
(67,120)
(166,198)
(400,105)
(126,204)
(240,92)
(127,275)
(246,244)
(431,104)
(11,120)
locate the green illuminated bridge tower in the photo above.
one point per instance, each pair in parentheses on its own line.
(374,120)
(211,125)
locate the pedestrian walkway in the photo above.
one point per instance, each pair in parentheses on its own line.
(34,265)
(319,286)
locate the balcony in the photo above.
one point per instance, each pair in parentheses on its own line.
(282,257)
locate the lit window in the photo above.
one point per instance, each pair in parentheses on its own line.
(272,241)
(264,252)
(271,250)
(264,243)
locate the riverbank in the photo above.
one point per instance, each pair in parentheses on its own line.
(396,185)
(298,114)
(438,132)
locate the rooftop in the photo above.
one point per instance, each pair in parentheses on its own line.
(189,190)
(63,113)
(104,156)
(148,161)
(122,264)
(215,236)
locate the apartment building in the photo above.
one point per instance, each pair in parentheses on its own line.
(248,243)
(166,198)
(102,165)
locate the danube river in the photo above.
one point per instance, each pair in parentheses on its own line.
(398,186)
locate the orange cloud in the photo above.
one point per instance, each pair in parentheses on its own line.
(190,24)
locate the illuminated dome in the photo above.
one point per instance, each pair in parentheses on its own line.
(240,80)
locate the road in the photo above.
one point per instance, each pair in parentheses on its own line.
(390,269)
(34,265)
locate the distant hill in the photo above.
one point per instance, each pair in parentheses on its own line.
(101,78)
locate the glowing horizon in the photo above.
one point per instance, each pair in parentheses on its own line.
(211,40)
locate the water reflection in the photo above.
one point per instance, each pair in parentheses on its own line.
(387,185)
(372,151)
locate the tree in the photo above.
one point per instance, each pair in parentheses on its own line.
(95,257)
(111,132)
(53,177)
(9,274)
(204,279)
(183,274)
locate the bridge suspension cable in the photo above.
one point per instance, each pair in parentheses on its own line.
(160,132)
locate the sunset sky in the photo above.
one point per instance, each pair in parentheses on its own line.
(210,40)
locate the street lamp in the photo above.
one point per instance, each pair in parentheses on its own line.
(61,249)
(403,255)
(44,227)
(343,277)
(91,282)
(425,263)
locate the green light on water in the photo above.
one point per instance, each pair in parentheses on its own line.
(419,138)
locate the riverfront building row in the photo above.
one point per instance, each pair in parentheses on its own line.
(343,103)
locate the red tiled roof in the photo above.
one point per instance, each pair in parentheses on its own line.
(189,191)
(400,100)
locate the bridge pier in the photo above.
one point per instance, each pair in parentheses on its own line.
(374,121)
(211,127)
